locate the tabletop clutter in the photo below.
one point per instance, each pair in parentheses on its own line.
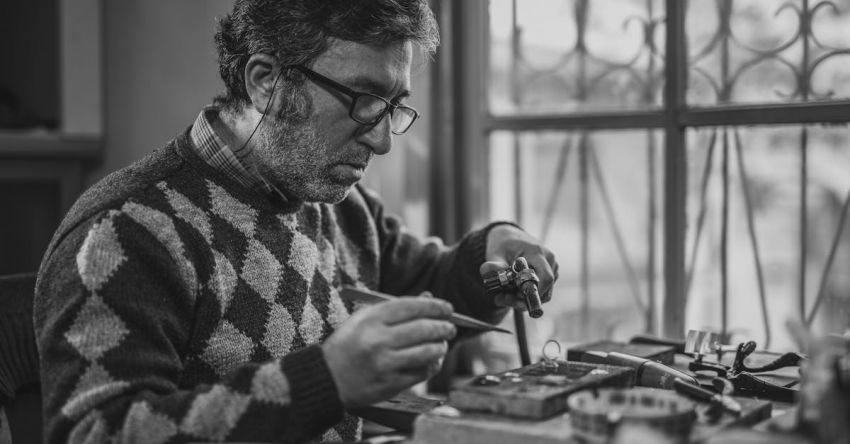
(677,392)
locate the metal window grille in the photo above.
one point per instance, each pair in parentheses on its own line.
(674,76)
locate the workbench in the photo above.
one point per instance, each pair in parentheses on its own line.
(407,411)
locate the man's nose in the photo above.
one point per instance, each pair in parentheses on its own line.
(379,137)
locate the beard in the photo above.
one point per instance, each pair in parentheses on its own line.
(292,155)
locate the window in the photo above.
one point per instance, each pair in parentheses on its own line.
(687,161)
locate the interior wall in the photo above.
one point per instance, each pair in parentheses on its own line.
(160,70)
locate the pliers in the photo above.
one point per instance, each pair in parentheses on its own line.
(739,380)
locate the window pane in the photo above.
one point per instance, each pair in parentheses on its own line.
(588,197)
(772,159)
(765,55)
(575,55)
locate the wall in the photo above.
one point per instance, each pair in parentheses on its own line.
(161,69)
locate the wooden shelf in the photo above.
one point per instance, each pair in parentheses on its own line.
(44,145)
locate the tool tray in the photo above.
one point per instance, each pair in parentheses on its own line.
(536,391)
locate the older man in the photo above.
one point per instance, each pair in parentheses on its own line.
(194,294)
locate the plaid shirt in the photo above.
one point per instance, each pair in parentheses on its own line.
(212,149)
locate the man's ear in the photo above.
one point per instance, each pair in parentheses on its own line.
(260,75)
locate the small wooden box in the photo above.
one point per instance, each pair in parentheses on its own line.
(484,428)
(536,391)
(664,354)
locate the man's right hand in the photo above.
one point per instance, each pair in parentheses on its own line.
(385,348)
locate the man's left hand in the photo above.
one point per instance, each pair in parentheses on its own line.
(505,243)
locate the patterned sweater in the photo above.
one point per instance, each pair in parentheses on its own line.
(175,304)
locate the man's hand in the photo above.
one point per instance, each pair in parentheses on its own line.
(505,243)
(387,347)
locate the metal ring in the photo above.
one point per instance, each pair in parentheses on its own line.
(546,356)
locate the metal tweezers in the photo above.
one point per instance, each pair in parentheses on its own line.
(366,296)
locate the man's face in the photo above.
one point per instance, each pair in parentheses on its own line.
(320,159)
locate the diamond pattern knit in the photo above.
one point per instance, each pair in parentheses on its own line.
(175,304)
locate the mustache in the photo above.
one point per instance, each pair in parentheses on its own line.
(356,159)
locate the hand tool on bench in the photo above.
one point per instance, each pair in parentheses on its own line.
(647,373)
(739,378)
(701,394)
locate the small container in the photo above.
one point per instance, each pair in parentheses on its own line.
(596,415)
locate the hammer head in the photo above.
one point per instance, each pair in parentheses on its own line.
(701,343)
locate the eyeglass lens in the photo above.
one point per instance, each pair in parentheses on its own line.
(368,109)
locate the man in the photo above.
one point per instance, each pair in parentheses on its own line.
(195,294)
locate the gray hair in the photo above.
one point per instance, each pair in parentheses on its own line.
(298,31)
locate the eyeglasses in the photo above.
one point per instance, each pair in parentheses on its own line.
(366,108)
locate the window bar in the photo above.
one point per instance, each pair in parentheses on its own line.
(748,205)
(634,285)
(724,96)
(834,112)
(804,205)
(652,216)
(724,241)
(675,167)
(725,8)
(584,213)
(804,88)
(836,241)
(581,8)
(519,316)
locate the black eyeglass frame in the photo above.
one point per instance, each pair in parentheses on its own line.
(354,95)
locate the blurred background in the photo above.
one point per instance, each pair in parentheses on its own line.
(688,162)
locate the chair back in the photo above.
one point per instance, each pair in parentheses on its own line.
(20,389)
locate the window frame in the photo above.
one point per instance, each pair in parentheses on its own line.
(460,175)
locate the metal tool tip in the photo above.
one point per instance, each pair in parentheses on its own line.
(731,406)
(502,330)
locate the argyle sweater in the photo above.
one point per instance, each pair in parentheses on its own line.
(176,305)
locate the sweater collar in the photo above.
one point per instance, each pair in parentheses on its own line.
(212,149)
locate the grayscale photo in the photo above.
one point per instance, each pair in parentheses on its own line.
(425,221)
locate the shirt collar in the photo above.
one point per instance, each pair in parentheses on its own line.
(234,163)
